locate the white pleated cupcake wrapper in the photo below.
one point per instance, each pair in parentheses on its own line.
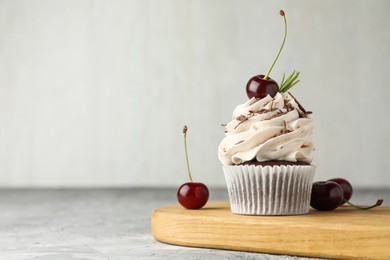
(267,190)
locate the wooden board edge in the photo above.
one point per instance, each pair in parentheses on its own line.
(160,219)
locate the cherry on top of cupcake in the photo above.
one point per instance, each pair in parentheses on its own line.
(260,86)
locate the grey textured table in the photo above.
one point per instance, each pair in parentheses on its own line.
(102,224)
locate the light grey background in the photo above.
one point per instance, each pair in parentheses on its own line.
(95,93)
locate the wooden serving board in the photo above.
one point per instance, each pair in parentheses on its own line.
(343,233)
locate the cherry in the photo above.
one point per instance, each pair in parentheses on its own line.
(326,195)
(191,195)
(260,86)
(346,186)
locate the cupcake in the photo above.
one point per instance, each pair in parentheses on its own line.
(267,151)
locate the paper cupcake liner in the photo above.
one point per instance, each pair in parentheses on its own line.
(269,190)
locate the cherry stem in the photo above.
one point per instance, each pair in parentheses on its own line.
(281,47)
(185,149)
(378,203)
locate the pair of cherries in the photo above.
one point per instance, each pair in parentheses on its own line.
(331,194)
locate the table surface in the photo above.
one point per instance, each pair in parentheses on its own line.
(104,224)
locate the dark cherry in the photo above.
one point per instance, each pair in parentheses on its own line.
(193,195)
(346,186)
(326,195)
(259,87)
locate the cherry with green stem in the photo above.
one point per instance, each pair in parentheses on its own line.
(348,191)
(191,195)
(260,86)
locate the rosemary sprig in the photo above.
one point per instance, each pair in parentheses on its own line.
(291,80)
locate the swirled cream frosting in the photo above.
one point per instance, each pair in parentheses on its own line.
(271,128)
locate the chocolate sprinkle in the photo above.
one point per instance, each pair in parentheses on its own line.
(282,132)
(278,114)
(299,105)
(242,118)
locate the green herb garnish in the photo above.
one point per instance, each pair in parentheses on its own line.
(291,80)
